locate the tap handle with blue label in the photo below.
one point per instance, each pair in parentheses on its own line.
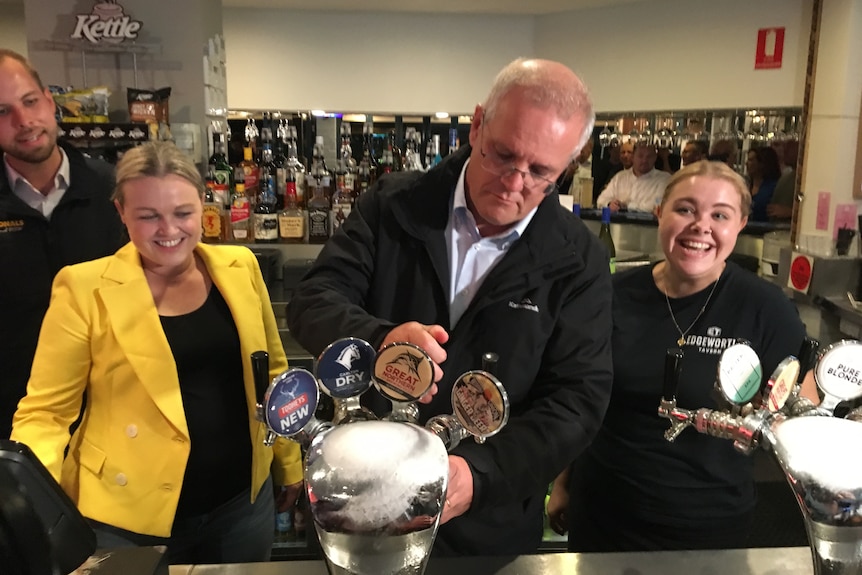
(289,406)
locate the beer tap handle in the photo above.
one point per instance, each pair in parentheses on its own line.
(672,369)
(807,356)
(679,418)
(260,374)
(489,361)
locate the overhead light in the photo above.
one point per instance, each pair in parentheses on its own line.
(318,113)
(441,115)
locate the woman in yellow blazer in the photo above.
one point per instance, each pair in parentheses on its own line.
(159,337)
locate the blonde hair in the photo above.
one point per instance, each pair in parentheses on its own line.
(156,159)
(717,171)
(544,86)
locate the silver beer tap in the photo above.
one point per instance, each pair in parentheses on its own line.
(288,408)
(814,449)
(480,407)
(344,372)
(403,372)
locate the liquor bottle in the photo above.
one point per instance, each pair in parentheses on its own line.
(222,171)
(454,142)
(346,155)
(386,166)
(368,146)
(366,169)
(240,209)
(318,216)
(298,168)
(319,174)
(265,221)
(211,218)
(291,220)
(435,150)
(251,174)
(605,237)
(395,153)
(279,161)
(412,161)
(267,176)
(342,201)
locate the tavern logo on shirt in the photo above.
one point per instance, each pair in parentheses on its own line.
(7,226)
(525,304)
(712,343)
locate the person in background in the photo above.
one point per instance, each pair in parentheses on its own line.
(579,168)
(694,151)
(619,159)
(159,337)
(780,207)
(763,173)
(476,256)
(632,490)
(667,160)
(627,154)
(638,189)
(55,210)
(724,151)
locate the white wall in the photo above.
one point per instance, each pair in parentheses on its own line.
(679,55)
(13,35)
(367,62)
(691,54)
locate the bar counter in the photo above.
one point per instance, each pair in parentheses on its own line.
(765,561)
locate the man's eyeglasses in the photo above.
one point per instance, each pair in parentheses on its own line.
(494,164)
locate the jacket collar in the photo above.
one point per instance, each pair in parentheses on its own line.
(77,168)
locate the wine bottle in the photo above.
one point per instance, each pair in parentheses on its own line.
(605,237)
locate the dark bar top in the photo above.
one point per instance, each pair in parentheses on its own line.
(648,219)
(765,561)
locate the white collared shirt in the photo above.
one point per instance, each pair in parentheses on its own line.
(472,257)
(638,193)
(43,203)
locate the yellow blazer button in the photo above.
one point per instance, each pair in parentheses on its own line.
(132,430)
(121,479)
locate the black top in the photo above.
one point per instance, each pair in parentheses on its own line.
(697,478)
(205,345)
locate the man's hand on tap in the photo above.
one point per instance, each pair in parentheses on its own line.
(428,337)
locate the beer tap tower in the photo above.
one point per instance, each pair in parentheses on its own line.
(817,451)
(376,488)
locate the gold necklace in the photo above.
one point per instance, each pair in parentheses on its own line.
(681,341)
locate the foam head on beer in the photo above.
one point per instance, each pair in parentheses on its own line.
(372,474)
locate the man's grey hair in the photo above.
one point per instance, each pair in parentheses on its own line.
(566,95)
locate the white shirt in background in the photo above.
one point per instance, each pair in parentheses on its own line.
(641,194)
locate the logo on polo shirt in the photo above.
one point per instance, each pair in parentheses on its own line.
(7,226)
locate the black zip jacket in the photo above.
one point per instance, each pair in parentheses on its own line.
(545,309)
(84,226)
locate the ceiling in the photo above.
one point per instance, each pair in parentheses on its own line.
(531,7)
